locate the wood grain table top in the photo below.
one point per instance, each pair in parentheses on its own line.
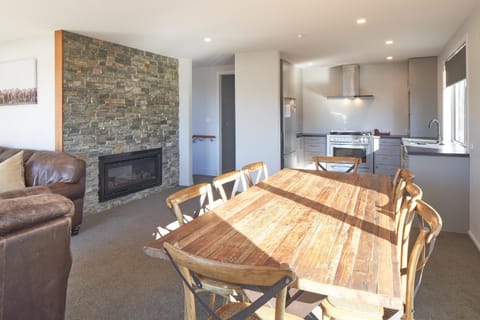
(335,230)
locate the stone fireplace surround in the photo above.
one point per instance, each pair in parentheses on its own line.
(118,99)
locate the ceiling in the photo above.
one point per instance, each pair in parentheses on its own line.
(177,28)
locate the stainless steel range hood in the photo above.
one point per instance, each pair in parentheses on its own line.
(351,83)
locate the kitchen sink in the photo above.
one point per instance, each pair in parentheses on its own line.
(420,141)
(426,143)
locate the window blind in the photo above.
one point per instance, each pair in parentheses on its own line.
(455,67)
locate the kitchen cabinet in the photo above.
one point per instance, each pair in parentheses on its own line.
(300,143)
(386,155)
(445,184)
(313,146)
(422,91)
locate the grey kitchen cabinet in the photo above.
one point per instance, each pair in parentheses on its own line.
(386,155)
(313,146)
(299,147)
(445,184)
(422,91)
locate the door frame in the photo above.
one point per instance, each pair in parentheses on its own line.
(220,137)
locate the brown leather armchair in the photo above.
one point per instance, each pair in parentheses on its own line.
(35,258)
(61,172)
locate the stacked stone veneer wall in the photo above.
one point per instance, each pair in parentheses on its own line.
(118,99)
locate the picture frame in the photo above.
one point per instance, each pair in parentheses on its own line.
(18,82)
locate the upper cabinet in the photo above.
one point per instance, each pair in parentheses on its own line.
(422,84)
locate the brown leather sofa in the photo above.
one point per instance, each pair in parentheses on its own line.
(61,172)
(35,257)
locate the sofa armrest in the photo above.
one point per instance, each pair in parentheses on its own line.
(24,212)
(30,191)
(72,191)
(48,167)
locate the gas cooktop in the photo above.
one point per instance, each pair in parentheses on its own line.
(350,133)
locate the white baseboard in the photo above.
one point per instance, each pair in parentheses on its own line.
(475,240)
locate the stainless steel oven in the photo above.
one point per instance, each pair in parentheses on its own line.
(356,144)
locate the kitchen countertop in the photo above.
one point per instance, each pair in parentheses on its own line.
(311,135)
(306,134)
(431,149)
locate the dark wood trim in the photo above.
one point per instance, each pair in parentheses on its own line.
(59,90)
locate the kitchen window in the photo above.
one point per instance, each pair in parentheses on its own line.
(455,103)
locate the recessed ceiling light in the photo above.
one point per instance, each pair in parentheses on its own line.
(389,58)
(361,21)
(207,39)
(300,36)
(389,42)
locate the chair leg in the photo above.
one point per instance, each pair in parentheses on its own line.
(212,301)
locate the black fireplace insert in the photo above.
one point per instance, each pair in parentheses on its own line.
(124,173)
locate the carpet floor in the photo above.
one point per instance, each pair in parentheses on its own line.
(111,278)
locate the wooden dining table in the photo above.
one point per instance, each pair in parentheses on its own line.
(335,230)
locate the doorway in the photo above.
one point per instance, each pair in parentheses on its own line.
(227,110)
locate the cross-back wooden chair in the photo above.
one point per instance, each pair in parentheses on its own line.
(399,191)
(236,177)
(255,171)
(272,280)
(431,224)
(322,161)
(203,192)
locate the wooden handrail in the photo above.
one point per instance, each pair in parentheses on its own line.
(202,137)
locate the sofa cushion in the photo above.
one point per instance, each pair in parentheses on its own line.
(12,173)
(24,212)
(24,192)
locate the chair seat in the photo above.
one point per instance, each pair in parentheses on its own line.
(346,309)
(263,313)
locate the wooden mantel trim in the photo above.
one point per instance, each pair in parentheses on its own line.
(59,90)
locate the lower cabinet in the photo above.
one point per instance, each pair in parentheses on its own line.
(445,184)
(313,146)
(386,155)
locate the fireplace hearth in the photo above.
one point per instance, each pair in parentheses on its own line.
(125,173)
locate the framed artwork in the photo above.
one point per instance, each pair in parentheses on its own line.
(18,82)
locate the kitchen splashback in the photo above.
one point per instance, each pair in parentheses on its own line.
(387,112)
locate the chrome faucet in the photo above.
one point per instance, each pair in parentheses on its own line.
(439,135)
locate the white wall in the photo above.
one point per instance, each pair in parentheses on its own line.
(31,126)
(470,32)
(388,111)
(206,117)
(257,103)
(185,121)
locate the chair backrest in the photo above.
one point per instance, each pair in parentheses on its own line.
(257,169)
(203,191)
(404,219)
(400,183)
(431,224)
(190,267)
(320,162)
(236,177)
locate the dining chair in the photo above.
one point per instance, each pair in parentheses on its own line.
(399,185)
(203,192)
(405,220)
(419,254)
(222,181)
(255,171)
(273,280)
(321,161)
